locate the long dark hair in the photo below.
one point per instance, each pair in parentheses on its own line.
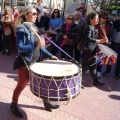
(90,16)
(53,16)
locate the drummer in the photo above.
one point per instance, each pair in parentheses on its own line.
(28,44)
(90,45)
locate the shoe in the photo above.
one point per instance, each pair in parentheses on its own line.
(82,86)
(106,73)
(14,109)
(49,105)
(116,77)
(3,52)
(48,109)
(87,72)
(8,53)
(98,83)
(98,74)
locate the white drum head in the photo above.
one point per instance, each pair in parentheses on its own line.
(55,68)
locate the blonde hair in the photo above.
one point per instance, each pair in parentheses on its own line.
(21,17)
(6,8)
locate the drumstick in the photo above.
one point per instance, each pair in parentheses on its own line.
(107,59)
(58,47)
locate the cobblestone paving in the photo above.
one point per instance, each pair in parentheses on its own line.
(93,103)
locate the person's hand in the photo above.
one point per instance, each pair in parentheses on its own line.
(54,57)
(101,41)
(65,36)
(105,39)
(50,29)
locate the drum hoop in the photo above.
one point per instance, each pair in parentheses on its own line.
(60,77)
(54,99)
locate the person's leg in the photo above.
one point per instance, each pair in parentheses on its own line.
(49,106)
(4,44)
(108,70)
(63,55)
(8,44)
(117,67)
(99,67)
(93,72)
(77,54)
(1,41)
(86,57)
(69,51)
(23,78)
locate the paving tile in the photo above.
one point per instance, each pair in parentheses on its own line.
(92,103)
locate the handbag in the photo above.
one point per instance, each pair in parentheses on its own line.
(7,31)
(80,45)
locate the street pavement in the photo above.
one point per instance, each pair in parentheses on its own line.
(93,103)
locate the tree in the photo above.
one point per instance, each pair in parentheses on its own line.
(108,5)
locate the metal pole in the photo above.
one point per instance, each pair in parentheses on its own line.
(3,4)
(50,6)
(64,8)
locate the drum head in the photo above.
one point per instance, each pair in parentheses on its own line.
(55,68)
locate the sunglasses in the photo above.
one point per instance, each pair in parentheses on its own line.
(104,18)
(69,18)
(55,12)
(35,13)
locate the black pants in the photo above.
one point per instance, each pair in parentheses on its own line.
(116,48)
(77,54)
(69,50)
(1,40)
(117,67)
(93,67)
(7,43)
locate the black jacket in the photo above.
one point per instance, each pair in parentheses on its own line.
(90,37)
(79,33)
(71,32)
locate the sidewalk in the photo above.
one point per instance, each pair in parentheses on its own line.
(92,103)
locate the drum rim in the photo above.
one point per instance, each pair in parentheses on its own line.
(59,77)
(54,99)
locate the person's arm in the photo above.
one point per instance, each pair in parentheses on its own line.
(60,24)
(89,38)
(2,19)
(45,51)
(21,39)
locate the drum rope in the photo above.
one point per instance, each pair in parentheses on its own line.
(68,94)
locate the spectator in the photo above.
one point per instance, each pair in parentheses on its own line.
(1,33)
(7,21)
(39,14)
(15,12)
(55,20)
(103,32)
(79,34)
(90,45)
(69,30)
(44,23)
(115,45)
(40,7)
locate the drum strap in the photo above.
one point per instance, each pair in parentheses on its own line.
(27,66)
(68,94)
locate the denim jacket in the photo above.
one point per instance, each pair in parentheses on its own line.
(25,43)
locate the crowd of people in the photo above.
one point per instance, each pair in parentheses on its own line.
(67,33)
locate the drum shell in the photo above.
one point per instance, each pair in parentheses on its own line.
(55,88)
